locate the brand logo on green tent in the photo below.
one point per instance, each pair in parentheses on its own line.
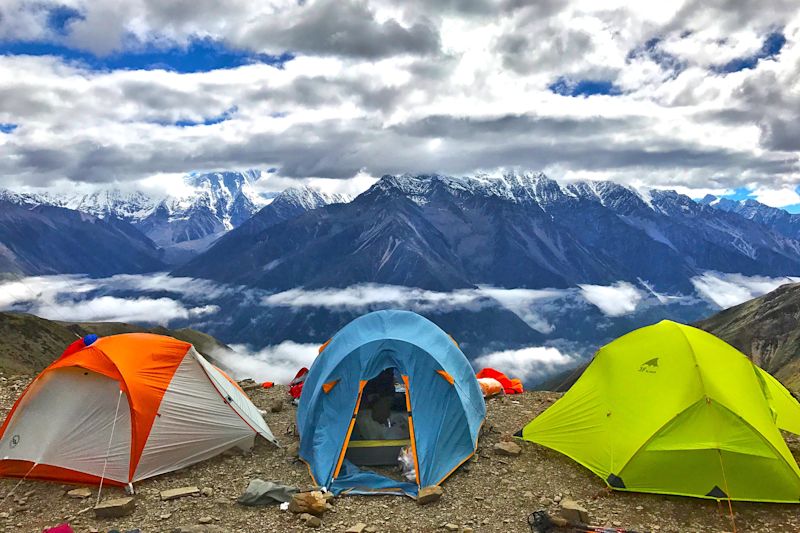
(649,367)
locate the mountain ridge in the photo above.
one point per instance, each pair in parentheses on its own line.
(516,230)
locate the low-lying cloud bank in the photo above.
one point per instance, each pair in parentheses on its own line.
(75,298)
(165,300)
(727,290)
(530,364)
(160,298)
(278,363)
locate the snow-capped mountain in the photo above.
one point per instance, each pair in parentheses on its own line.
(182,225)
(514,230)
(289,204)
(783,222)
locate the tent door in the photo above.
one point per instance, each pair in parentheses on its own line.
(381,425)
(361,385)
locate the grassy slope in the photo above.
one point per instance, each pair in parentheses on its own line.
(29,343)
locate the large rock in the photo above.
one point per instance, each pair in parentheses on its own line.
(115,508)
(507,447)
(308,502)
(357,528)
(180,492)
(573,511)
(430,494)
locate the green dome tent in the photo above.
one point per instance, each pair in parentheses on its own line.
(672,409)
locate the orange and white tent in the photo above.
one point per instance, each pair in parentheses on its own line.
(124,408)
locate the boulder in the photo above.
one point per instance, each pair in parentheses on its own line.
(308,502)
(573,511)
(430,494)
(451,527)
(508,448)
(116,508)
(171,494)
(276,407)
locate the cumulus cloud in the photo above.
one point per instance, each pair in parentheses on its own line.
(727,290)
(613,300)
(278,363)
(384,86)
(528,364)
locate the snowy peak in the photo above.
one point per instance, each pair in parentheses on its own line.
(518,187)
(779,220)
(308,198)
(527,187)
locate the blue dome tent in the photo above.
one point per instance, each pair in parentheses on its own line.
(437,393)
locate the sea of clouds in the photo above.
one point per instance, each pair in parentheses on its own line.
(166,300)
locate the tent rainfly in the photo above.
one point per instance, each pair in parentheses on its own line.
(124,408)
(435,389)
(672,409)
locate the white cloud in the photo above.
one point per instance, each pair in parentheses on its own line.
(779,197)
(73,298)
(369,294)
(527,364)
(727,290)
(278,363)
(114,309)
(377,84)
(618,299)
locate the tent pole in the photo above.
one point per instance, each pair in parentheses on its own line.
(108,450)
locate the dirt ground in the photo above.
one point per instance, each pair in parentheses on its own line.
(491,493)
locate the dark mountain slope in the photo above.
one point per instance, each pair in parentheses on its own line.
(55,240)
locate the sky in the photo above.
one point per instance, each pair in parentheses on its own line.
(701,96)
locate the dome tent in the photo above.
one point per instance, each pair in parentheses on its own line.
(672,409)
(124,408)
(443,402)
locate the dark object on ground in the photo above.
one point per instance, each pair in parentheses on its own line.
(260,492)
(541,522)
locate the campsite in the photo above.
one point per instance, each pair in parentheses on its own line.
(496,489)
(378,266)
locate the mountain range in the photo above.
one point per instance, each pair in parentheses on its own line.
(778,220)
(169,230)
(515,230)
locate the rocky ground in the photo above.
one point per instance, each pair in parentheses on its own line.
(493,492)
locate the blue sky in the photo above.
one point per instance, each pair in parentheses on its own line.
(692,96)
(199,55)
